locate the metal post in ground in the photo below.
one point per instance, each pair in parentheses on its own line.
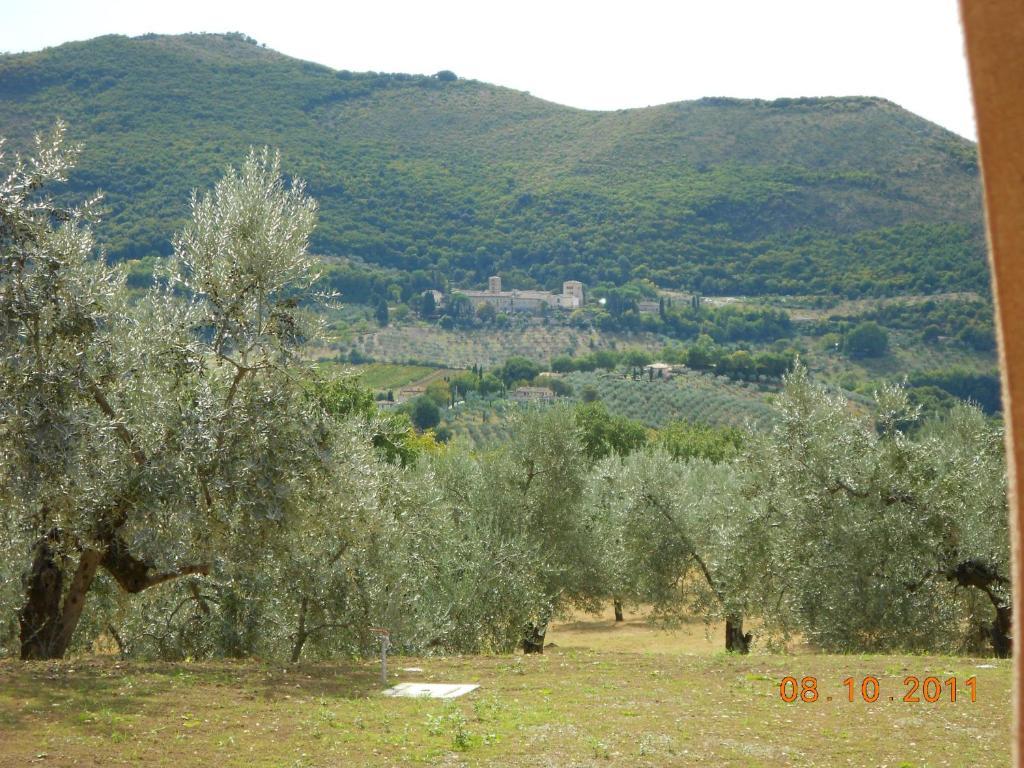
(385,644)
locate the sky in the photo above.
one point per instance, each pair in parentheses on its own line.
(591,55)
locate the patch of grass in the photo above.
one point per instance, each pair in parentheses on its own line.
(378,376)
(628,694)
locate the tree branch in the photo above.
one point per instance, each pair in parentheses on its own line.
(122,432)
(689,544)
(240,372)
(531,473)
(842,485)
(134,575)
(973,573)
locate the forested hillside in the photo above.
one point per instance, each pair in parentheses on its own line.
(451,180)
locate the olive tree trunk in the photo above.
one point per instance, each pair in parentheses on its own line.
(735,639)
(301,634)
(48,619)
(1002,641)
(533,639)
(972,573)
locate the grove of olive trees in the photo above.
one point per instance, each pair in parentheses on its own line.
(177,478)
(861,532)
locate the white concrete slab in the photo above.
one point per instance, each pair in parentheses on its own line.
(431,690)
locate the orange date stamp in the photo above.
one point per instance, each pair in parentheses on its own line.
(868,689)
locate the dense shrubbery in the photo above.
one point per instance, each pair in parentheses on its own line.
(603,434)
(684,441)
(966,321)
(689,320)
(970,321)
(983,389)
(866,339)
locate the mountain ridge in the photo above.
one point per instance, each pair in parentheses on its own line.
(459,179)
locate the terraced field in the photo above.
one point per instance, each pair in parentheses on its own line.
(460,348)
(693,396)
(479,423)
(906,355)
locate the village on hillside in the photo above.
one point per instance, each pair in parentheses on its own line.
(571,297)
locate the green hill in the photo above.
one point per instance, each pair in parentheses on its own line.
(455,180)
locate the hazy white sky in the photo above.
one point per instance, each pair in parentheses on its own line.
(595,55)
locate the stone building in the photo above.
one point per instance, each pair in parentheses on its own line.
(658,371)
(533,394)
(526,301)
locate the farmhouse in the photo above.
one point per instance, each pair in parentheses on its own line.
(533,394)
(527,301)
(409,392)
(658,371)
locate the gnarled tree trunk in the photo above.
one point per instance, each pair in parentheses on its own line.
(618,609)
(1002,641)
(46,621)
(533,639)
(51,613)
(735,639)
(972,573)
(39,618)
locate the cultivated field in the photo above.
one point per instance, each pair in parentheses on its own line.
(692,396)
(628,695)
(377,376)
(459,348)
(480,423)
(906,355)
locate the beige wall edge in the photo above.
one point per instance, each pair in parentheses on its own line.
(994,33)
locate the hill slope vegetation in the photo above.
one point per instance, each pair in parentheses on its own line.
(452,180)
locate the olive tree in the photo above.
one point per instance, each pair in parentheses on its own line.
(139,438)
(465,588)
(860,530)
(533,489)
(398,544)
(689,539)
(886,533)
(411,551)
